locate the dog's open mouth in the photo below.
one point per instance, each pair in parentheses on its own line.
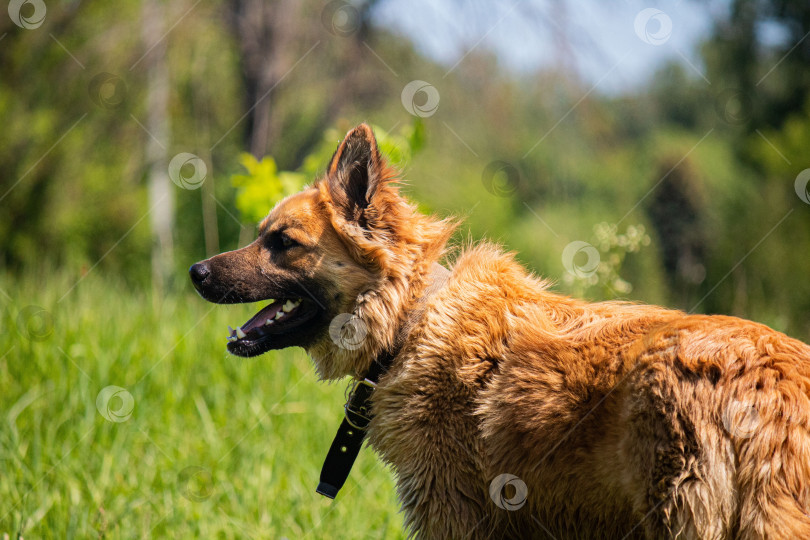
(273,323)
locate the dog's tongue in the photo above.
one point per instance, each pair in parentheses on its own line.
(259,320)
(275,313)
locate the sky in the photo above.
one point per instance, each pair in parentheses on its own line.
(615,46)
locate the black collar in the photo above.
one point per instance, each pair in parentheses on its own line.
(349,438)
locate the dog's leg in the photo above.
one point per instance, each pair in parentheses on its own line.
(768,428)
(683,480)
(429,437)
(441,499)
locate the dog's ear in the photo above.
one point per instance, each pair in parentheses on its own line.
(354,174)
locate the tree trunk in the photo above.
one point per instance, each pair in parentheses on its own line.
(161,194)
(260,29)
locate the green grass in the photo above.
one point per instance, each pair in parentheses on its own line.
(216,446)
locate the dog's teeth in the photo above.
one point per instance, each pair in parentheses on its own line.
(240,334)
(268,322)
(231,331)
(297,303)
(288,306)
(279,315)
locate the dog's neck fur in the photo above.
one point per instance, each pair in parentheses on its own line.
(412,297)
(393,297)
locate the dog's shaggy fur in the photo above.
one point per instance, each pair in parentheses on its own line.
(620,420)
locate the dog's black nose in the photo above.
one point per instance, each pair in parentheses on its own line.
(198,272)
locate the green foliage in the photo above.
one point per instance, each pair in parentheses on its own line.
(613,248)
(780,151)
(263,185)
(74,169)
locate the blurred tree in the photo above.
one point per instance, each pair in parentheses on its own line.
(676,210)
(263,32)
(760,48)
(161,193)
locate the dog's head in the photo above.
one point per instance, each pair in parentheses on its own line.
(336,261)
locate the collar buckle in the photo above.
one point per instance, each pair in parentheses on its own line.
(357,409)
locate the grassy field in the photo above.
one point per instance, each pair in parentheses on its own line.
(215,446)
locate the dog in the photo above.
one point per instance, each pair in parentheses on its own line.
(506,410)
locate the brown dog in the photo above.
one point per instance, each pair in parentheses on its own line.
(509,411)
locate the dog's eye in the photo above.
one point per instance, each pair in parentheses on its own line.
(281,241)
(286,241)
